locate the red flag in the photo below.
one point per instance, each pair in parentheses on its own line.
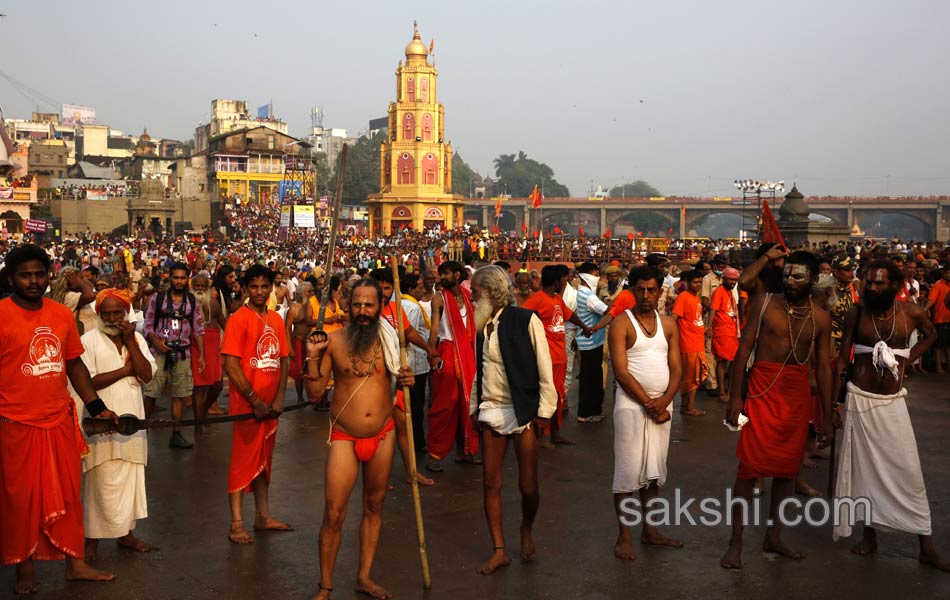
(410,225)
(770,231)
(607,234)
(524,227)
(432,46)
(498,207)
(629,235)
(639,234)
(670,231)
(580,230)
(557,230)
(535,234)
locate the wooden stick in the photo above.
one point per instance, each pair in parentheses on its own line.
(417,504)
(331,246)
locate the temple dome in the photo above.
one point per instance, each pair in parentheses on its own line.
(416,49)
(794,208)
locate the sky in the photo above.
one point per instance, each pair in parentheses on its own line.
(843,97)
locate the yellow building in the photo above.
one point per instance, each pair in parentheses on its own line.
(415,167)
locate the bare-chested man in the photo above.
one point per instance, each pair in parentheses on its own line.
(363,358)
(214,321)
(879,459)
(297,331)
(789,332)
(523,289)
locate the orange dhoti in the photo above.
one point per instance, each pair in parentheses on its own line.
(694,370)
(772,442)
(296,370)
(559,373)
(40,509)
(725,346)
(252,452)
(449,412)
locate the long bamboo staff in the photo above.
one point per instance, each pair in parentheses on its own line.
(417,504)
(331,247)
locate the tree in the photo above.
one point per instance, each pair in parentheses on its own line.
(637,189)
(362,169)
(463,176)
(517,176)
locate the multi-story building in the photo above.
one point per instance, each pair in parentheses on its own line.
(415,167)
(232,115)
(329,140)
(49,157)
(248,164)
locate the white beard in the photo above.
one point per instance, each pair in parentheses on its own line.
(483,313)
(108,328)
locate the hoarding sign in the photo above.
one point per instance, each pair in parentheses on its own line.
(35,226)
(304,216)
(78,115)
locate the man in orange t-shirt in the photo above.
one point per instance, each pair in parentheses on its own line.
(939,298)
(552,311)
(692,337)
(724,329)
(40,442)
(255,352)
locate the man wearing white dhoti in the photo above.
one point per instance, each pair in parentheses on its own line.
(119,362)
(644,353)
(879,459)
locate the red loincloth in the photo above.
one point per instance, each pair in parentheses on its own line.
(40,508)
(213,366)
(772,442)
(365,448)
(559,372)
(724,347)
(297,362)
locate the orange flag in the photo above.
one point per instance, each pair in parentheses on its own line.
(498,207)
(535,197)
(432,46)
(580,230)
(630,235)
(770,231)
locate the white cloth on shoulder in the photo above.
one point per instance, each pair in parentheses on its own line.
(879,461)
(390,343)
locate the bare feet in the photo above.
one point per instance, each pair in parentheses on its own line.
(808,463)
(238,534)
(133,543)
(25,578)
(323,594)
(78,570)
(560,439)
(693,412)
(545,444)
(732,559)
(806,490)
(498,560)
(372,589)
(658,539)
(469,459)
(215,409)
(421,480)
(270,524)
(528,551)
(868,545)
(623,549)
(779,547)
(934,560)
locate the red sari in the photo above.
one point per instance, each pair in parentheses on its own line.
(772,442)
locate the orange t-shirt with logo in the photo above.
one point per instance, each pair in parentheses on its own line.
(553,313)
(34,348)
(389,313)
(260,343)
(690,323)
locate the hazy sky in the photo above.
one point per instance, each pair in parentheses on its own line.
(846,97)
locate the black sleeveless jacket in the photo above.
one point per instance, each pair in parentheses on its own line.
(521,362)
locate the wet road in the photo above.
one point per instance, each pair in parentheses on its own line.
(575,531)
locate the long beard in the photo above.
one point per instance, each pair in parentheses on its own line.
(879,302)
(108,328)
(483,313)
(361,337)
(204,301)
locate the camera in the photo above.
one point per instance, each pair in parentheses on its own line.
(175,352)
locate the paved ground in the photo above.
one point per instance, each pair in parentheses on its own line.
(575,531)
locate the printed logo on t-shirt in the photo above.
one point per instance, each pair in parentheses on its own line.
(557,320)
(268,350)
(698,321)
(45,352)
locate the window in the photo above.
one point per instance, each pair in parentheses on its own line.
(270,142)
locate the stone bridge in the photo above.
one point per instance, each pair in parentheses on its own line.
(685,216)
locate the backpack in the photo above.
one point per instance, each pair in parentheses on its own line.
(190,302)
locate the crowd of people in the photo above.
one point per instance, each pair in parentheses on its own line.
(98,328)
(80,191)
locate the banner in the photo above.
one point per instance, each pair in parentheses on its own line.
(78,115)
(304,216)
(97,195)
(323,202)
(6,193)
(35,226)
(285,216)
(263,112)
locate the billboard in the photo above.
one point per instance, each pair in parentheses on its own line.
(35,226)
(6,193)
(78,115)
(264,112)
(97,195)
(304,216)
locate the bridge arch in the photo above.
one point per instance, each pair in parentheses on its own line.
(716,225)
(892,223)
(651,222)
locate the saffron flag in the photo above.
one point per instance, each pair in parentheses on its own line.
(607,234)
(524,227)
(498,207)
(769,228)
(535,197)
(629,235)
(580,231)
(432,46)
(557,230)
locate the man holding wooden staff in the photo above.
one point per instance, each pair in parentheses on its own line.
(364,359)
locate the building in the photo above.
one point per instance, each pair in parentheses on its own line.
(329,140)
(48,157)
(248,164)
(232,115)
(415,178)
